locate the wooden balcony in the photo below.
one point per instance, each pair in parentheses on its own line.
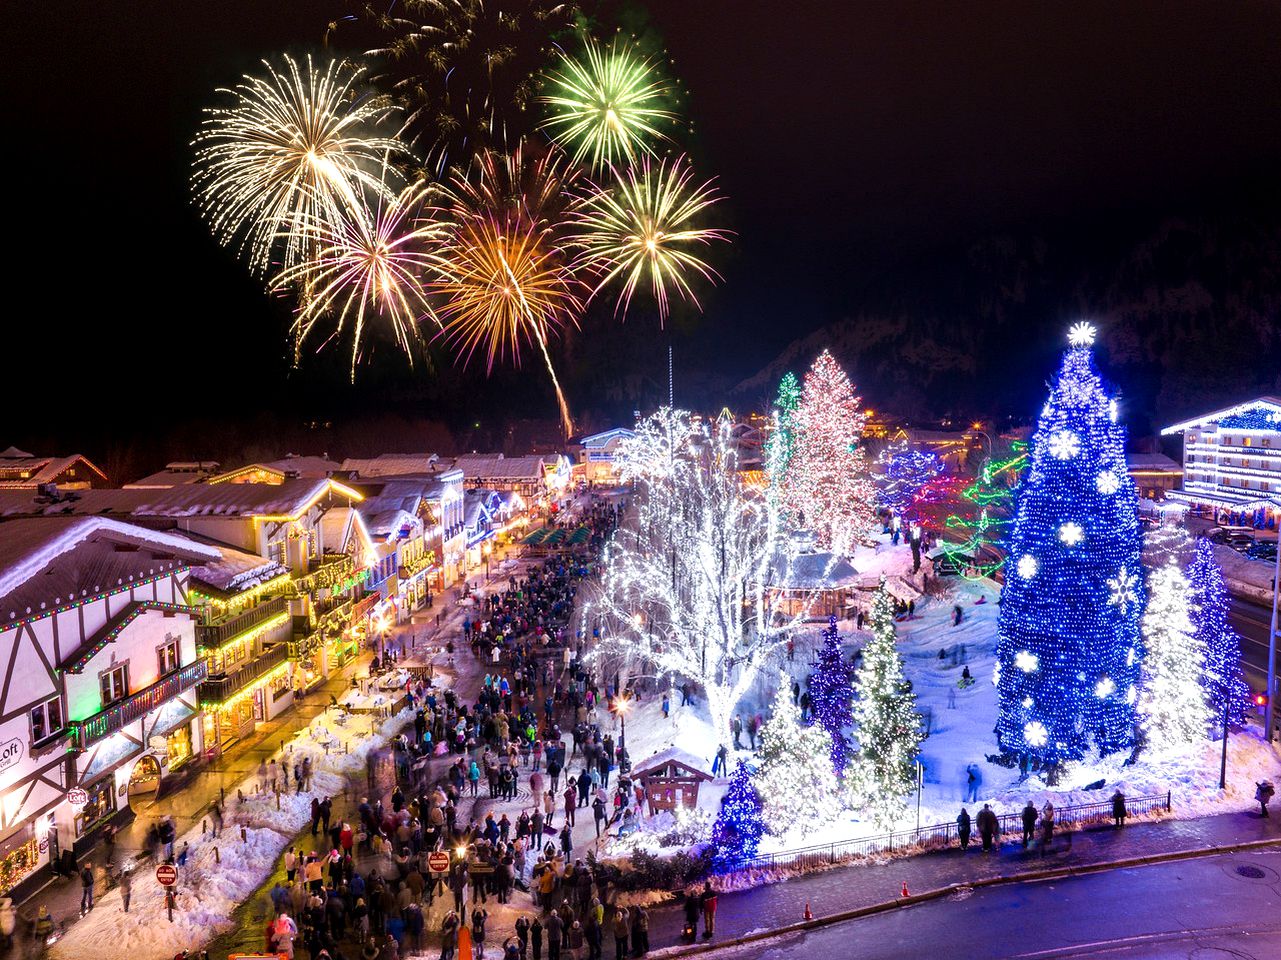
(138,705)
(214,635)
(219,689)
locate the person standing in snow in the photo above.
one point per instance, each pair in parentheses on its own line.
(1029,823)
(963,828)
(1263,793)
(972,780)
(988,826)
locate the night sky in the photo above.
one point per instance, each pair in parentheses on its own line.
(858,142)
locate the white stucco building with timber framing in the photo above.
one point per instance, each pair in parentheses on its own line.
(99,703)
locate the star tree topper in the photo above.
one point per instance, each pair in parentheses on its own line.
(1082,334)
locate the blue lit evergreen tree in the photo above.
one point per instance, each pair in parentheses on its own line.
(1068,640)
(831,695)
(738,828)
(1221,671)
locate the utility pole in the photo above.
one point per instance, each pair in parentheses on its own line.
(1269,710)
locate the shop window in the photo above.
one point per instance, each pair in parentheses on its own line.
(170,657)
(46,719)
(102,804)
(178,746)
(18,864)
(279,686)
(114,684)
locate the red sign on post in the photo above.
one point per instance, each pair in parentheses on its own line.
(438,862)
(167,874)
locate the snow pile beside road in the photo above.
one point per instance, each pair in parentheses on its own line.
(223,872)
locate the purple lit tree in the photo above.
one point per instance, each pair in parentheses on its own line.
(831,695)
(738,828)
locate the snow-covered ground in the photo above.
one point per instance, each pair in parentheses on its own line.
(223,872)
(960,721)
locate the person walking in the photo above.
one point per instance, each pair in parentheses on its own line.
(1029,823)
(989,827)
(621,930)
(126,888)
(449,935)
(708,902)
(1047,828)
(1263,792)
(554,929)
(693,907)
(736,727)
(1118,809)
(86,889)
(973,778)
(963,828)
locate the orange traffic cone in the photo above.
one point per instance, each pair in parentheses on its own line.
(905,893)
(808,914)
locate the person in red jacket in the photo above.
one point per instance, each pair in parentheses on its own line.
(709,910)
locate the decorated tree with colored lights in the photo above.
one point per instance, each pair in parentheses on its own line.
(831,693)
(904,472)
(887,726)
(1068,643)
(740,823)
(795,779)
(1172,703)
(828,487)
(782,439)
(978,525)
(1221,676)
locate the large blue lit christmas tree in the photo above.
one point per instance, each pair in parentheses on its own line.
(831,695)
(1068,641)
(1221,675)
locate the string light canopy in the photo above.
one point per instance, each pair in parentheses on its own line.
(1068,645)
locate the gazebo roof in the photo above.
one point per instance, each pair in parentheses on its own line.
(812,571)
(673,761)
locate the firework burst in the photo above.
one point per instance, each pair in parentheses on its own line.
(607,104)
(642,229)
(370,264)
(505,279)
(290,156)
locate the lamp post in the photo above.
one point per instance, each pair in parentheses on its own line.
(622,703)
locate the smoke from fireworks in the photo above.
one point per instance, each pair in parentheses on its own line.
(370,263)
(607,104)
(505,278)
(290,156)
(642,229)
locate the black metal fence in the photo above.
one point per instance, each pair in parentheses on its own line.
(941,835)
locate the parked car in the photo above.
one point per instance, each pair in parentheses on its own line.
(1231,535)
(1262,550)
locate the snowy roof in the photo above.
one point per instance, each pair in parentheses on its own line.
(484,466)
(666,756)
(234,570)
(812,571)
(51,561)
(1152,461)
(391,464)
(176,474)
(14,463)
(1266,403)
(290,498)
(606,437)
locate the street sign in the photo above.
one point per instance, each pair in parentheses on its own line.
(167,874)
(438,862)
(78,797)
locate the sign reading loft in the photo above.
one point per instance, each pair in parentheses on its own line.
(1232,462)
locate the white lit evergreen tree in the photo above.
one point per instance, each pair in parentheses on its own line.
(882,773)
(1172,702)
(782,438)
(1221,675)
(794,778)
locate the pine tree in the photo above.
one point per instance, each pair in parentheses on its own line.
(1172,702)
(980,521)
(1170,541)
(1068,644)
(886,723)
(831,695)
(795,779)
(740,824)
(828,488)
(782,439)
(1221,670)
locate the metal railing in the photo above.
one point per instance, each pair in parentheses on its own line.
(220,689)
(135,706)
(214,635)
(940,835)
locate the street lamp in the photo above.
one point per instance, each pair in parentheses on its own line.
(622,703)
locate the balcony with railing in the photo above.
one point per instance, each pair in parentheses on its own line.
(138,705)
(328,571)
(213,635)
(221,688)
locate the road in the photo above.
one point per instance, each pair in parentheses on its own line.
(1216,907)
(1251,621)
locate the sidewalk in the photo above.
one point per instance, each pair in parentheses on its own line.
(861,885)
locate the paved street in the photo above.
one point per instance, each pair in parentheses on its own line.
(1251,622)
(846,888)
(1224,906)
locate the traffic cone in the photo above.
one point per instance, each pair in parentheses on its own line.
(808,914)
(905,893)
